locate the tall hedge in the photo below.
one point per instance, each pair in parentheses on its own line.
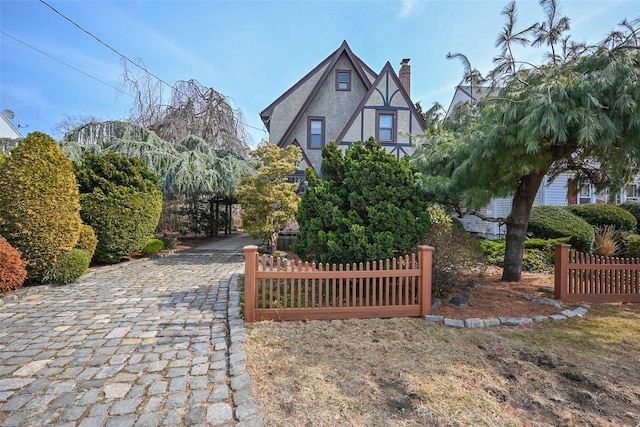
(602,214)
(364,208)
(552,222)
(122,200)
(39,202)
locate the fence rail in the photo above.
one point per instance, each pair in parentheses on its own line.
(278,289)
(581,277)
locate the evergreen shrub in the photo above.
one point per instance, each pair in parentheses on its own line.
(153,246)
(169,242)
(552,222)
(364,208)
(633,208)
(602,214)
(632,246)
(68,268)
(122,200)
(87,240)
(39,202)
(12,267)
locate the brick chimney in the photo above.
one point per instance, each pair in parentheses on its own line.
(405,75)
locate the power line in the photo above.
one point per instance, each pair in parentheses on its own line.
(64,63)
(126,58)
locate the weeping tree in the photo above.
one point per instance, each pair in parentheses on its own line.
(189,109)
(576,112)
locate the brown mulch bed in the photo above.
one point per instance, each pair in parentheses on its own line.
(496,298)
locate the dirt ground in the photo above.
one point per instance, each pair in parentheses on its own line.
(407,372)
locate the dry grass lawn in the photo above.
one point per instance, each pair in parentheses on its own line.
(406,372)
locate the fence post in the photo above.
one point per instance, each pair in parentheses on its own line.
(561,271)
(250,267)
(425,257)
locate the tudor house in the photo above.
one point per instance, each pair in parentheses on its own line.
(343,100)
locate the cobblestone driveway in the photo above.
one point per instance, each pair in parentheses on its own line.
(146,343)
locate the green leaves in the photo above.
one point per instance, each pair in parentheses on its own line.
(267,197)
(365,207)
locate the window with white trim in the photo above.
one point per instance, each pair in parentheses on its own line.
(315,132)
(386,126)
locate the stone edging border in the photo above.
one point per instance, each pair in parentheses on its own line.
(491,322)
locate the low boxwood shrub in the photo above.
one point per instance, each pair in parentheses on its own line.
(538,253)
(153,246)
(552,222)
(87,240)
(68,268)
(602,214)
(12,267)
(633,208)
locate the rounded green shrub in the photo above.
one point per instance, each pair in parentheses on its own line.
(122,200)
(602,214)
(39,202)
(632,246)
(633,208)
(153,246)
(552,222)
(68,268)
(87,240)
(12,271)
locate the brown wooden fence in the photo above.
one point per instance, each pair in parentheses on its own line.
(277,289)
(581,277)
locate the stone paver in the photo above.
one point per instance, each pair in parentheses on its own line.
(145,343)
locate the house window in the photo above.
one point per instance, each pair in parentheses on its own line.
(585,194)
(386,126)
(343,79)
(315,132)
(632,192)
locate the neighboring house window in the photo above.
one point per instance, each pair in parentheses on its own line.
(386,126)
(632,192)
(585,194)
(315,132)
(343,79)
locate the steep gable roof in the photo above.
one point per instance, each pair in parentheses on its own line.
(386,70)
(328,64)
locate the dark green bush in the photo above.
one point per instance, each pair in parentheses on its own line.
(122,200)
(153,246)
(633,208)
(365,208)
(601,214)
(39,202)
(87,240)
(632,246)
(12,271)
(552,222)
(538,256)
(68,268)
(170,242)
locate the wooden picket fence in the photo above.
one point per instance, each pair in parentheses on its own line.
(279,289)
(581,277)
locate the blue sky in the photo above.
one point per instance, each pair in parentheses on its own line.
(251,51)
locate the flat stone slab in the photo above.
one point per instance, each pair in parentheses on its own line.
(474,323)
(433,318)
(453,323)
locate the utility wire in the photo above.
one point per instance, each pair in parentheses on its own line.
(126,58)
(64,63)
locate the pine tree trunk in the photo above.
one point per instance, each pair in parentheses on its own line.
(517,223)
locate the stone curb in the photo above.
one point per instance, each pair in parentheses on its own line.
(472,323)
(247,413)
(19,294)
